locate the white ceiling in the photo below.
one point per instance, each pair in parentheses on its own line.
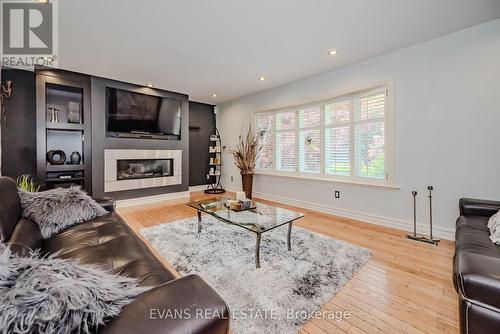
(200,47)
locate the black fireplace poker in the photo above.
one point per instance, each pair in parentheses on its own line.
(415,236)
(430,239)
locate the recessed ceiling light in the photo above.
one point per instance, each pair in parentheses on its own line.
(149,85)
(262,78)
(333,52)
(214,95)
(43,1)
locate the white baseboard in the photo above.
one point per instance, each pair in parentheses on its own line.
(151,199)
(439,232)
(198,188)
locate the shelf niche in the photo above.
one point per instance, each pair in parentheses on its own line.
(63,123)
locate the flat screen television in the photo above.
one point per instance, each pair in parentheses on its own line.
(137,115)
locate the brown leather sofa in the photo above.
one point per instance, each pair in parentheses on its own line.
(476,268)
(107,241)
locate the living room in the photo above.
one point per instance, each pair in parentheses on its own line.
(250,167)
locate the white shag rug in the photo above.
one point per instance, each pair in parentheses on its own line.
(274,298)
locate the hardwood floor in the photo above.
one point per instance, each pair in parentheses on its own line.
(406,287)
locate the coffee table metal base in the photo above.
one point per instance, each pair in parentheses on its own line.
(257,243)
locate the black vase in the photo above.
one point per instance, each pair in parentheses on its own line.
(75,158)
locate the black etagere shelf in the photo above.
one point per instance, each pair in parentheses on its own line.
(215,163)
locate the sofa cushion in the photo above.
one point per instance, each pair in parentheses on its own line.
(472,236)
(479,278)
(10,208)
(54,210)
(46,294)
(110,243)
(189,294)
(475,222)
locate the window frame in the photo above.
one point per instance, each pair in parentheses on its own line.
(353,178)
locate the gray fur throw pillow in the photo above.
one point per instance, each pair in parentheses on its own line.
(54,210)
(52,295)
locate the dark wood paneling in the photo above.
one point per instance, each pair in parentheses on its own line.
(19,134)
(201,124)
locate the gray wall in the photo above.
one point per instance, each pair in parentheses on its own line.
(201,125)
(446,131)
(100,142)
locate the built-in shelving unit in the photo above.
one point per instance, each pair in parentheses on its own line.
(63,124)
(215,163)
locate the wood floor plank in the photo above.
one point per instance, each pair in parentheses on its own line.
(406,287)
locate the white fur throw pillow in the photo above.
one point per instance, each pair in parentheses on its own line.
(54,210)
(52,295)
(494,226)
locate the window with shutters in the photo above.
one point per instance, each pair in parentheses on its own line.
(344,138)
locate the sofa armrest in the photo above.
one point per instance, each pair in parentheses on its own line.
(107,203)
(479,278)
(25,238)
(184,305)
(478,207)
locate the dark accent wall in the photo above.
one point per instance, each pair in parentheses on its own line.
(19,133)
(201,124)
(100,142)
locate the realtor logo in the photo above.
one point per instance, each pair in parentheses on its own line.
(29,30)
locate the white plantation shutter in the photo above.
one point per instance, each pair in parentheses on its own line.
(337,137)
(341,138)
(369,134)
(285,120)
(338,113)
(285,141)
(285,151)
(266,156)
(310,140)
(371,105)
(337,153)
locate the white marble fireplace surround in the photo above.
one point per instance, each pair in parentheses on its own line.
(111,182)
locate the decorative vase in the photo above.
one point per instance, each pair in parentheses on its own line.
(75,158)
(247,183)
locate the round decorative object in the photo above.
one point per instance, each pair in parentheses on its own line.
(75,158)
(56,157)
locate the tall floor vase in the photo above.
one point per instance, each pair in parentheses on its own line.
(247,184)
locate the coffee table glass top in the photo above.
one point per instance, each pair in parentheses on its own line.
(262,218)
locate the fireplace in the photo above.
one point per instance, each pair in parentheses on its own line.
(143,168)
(136,169)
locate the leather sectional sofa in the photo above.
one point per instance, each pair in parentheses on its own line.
(476,268)
(108,241)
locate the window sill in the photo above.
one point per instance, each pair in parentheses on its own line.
(333,180)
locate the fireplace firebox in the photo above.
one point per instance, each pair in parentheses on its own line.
(130,169)
(126,169)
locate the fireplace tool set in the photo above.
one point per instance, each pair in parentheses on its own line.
(415,236)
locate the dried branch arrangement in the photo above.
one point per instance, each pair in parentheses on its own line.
(247,151)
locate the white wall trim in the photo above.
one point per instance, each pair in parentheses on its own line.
(369,218)
(151,199)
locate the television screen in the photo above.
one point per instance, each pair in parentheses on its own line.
(130,112)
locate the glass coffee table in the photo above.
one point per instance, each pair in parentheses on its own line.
(261,219)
